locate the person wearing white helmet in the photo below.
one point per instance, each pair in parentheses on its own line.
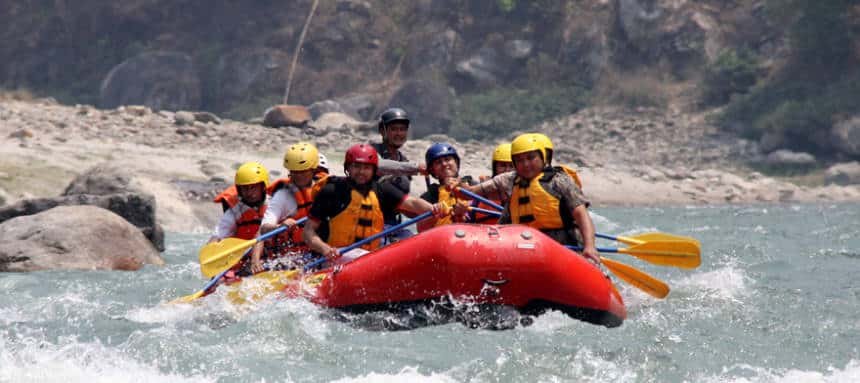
(322,166)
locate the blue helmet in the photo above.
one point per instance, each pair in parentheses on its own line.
(439,150)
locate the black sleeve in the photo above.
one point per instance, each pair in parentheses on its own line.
(390,196)
(330,200)
(432,194)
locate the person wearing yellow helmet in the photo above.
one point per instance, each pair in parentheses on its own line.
(243,219)
(291,200)
(502,162)
(543,197)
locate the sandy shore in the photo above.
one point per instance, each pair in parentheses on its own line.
(45,145)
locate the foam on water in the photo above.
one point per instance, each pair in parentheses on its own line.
(30,359)
(728,283)
(406,375)
(755,374)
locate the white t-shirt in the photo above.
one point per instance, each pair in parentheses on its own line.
(227,225)
(282,206)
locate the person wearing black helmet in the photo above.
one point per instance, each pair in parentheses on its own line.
(393,126)
(394,167)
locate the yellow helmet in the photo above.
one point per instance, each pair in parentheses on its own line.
(547,146)
(502,153)
(251,173)
(301,156)
(528,142)
(547,143)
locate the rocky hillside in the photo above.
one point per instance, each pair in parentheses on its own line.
(470,69)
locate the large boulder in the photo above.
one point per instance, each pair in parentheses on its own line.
(846,136)
(286,115)
(73,237)
(436,53)
(243,74)
(159,80)
(137,209)
(847,173)
(588,51)
(656,30)
(789,160)
(123,194)
(428,104)
(484,68)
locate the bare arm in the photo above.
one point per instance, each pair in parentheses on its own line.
(313,240)
(417,206)
(586,228)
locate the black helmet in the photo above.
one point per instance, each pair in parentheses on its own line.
(390,115)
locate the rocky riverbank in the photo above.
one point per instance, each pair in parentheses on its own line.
(631,158)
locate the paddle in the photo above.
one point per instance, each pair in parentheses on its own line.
(638,278)
(680,254)
(342,250)
(481,199)
(214,280)
(218,256)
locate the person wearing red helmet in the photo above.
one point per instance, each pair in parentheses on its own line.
(348,209)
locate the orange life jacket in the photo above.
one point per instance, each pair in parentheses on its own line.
(248,223)
(486,218)
(227,198)
(361,219)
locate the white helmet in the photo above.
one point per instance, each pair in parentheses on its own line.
(323,162)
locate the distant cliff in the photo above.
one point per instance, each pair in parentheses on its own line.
(780,70)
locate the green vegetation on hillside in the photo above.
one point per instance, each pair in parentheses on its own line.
(500,111)
(819,82)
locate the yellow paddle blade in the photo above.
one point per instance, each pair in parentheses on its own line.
(256,287)
(650,285)
(222,255)
(682,254)
(656,236)
(187,298)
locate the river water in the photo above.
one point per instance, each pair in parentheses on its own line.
(776,299)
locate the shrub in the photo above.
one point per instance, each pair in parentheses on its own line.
(631,90)
(733,72)
(502,111)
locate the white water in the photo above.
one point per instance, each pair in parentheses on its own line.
(774,301)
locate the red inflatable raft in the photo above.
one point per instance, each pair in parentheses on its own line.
(509,265)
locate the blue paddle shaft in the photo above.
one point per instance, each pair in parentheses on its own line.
(481,199)
(599,249)
(605,236)
(372,238)
(487,212)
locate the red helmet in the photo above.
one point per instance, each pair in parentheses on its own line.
(361,153)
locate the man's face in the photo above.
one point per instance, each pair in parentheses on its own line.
(361,173)
(395,133)
(302,178)
(252,194)
(528,164)
(445,167)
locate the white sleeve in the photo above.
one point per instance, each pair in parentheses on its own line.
(227,225)
(281,207)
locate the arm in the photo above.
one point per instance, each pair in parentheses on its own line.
(226,227)
(282,206)
(396,168)
(313,240)
(586,228)
(418,206)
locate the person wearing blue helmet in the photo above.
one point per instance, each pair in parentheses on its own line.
(443,163)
